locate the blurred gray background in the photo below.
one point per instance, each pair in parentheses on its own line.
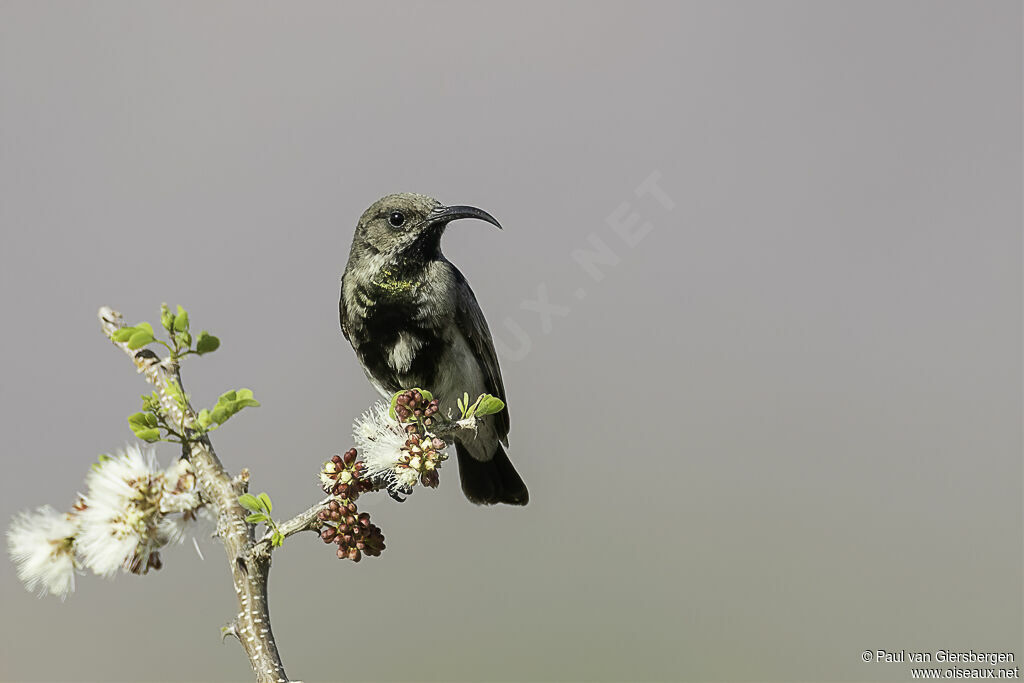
(783,427)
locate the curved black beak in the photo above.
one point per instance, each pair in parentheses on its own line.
(445,214)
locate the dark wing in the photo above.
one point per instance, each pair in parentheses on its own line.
(341,310)
(470,320)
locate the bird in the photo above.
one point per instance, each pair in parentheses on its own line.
(413,321)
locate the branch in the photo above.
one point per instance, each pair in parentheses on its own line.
(304,521)
(249,571)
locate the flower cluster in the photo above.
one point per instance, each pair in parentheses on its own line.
(344,477)
(401,451)
(412,405)
(130,510)
(344,525)
(352,531)
(398,451)
(423,455)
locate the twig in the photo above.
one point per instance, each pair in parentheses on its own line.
(304,521)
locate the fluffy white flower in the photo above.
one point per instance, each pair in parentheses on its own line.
(380,440)
(393,455)
(125,519)
(180,491)
(406,476)
(41,543)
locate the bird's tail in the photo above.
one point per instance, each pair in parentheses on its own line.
(491,481)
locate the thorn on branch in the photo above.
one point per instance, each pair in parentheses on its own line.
(229,630)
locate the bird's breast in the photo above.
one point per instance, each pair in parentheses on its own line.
(399,322)
(397,346)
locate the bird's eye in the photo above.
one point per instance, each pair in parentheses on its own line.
(396,219)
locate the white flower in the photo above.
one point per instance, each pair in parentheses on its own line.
(181,494)
(41,543)
(391,454)
(405,476)
(180,491)
(126,520)
(380,440)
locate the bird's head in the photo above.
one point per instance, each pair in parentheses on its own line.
(409,225)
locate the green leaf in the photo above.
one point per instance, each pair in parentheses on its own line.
(206,343)
(142,421)
(181,320)
(267,505)
(277,539)
(123,334)
(232,402)
(394,402)
(148,435)
(427,396)
(249,502)
(184,339)
(139,339)
(147,327)
(166,319)
(488,405)
(256,518)
(204,418)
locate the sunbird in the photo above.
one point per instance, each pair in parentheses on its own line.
(414,321)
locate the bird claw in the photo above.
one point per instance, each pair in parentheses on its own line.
(397,492)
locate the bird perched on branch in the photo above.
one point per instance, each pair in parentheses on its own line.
(413,321)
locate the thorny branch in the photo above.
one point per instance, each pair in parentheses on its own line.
(248,557)
(249,571)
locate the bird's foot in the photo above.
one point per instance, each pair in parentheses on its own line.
(396,492)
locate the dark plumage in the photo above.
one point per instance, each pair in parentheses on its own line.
(413,321)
